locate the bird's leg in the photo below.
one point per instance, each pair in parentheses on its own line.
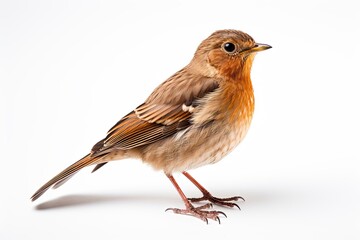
(207,196)
(198,212)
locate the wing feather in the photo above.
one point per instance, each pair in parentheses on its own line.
(156,120)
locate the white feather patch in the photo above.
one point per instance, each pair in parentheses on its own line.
(189,109)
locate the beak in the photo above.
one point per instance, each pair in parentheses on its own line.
(259,47)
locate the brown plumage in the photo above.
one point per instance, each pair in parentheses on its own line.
(194,118)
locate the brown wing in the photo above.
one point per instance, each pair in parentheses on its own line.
(134,131)
(156,120)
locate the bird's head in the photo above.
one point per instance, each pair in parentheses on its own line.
(227,54)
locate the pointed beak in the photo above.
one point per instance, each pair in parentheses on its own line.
(260,47)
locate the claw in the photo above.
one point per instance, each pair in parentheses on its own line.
(235,205)
(236,198)
(222,213)
(219,201)
(197,212)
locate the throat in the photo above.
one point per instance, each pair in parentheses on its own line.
(240,100)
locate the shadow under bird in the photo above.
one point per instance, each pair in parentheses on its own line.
(194,118)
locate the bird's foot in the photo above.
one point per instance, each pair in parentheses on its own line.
(218,201)
(199,212)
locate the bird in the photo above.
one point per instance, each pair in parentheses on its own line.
(194,118)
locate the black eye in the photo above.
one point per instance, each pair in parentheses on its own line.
(229,47)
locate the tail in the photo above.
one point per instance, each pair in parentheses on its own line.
(65,175)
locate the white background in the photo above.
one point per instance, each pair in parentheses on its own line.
(70,69)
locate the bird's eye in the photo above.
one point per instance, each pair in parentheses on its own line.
(229,47)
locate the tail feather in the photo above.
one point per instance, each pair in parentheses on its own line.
(65,175)
(64,180)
